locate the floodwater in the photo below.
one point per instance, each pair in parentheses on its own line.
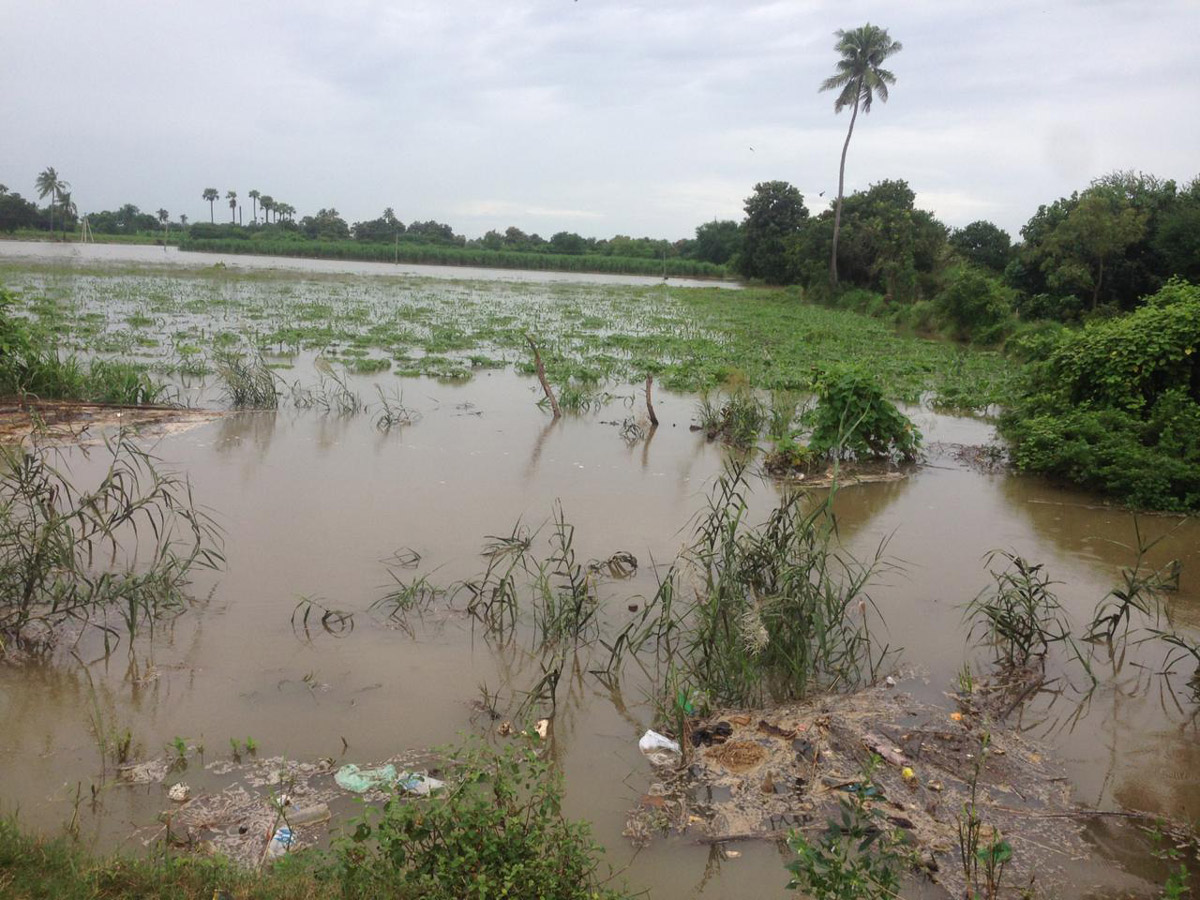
(142,254)
(313,505)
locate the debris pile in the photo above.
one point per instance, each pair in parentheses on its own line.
(748,775)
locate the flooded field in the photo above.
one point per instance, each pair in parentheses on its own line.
(322,509)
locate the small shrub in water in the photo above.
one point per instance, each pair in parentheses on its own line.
(1020,614)
(737,421)
(857,857)
(497,830)
(854,419)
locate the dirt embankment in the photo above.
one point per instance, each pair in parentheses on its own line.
(68,421)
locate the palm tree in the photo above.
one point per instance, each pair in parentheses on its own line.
(859,78)
(48,183)
(268,203)
(66,206)
(231,196)
(211,195)
(163,217)
(182,220)
(254,195)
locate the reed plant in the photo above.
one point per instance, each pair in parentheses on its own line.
(117,557)
(779,609)
(1019,616)
(248,381)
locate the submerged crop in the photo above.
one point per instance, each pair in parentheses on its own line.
(690,339)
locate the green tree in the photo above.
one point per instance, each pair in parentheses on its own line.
(859,78)
(211,195)
(50,184)
(775,213)
(1177,240)
(983,244)
(567,242)
(267,202)
(1098,228)
(888,244)
(718,241)
(254,195)
(231,196)
(164,220)
(16,212)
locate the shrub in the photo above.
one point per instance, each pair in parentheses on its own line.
(1035,341)
(854,419)
(496,831)
(1116,407)
(973,304)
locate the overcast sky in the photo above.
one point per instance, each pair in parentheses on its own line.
(597,116)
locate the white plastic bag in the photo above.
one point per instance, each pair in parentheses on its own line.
(659,748)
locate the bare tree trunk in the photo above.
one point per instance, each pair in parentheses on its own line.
(837,216)
(650,403)
(541,374)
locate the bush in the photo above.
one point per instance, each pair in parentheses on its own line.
(854,419)
(973,304)
(1049,306)
(1035,341)
(497,831)
(1116,407)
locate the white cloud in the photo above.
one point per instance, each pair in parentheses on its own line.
(602,116)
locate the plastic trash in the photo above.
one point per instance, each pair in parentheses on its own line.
(417,783)
(351,778)
(179,792)
(659,748)
(281,841)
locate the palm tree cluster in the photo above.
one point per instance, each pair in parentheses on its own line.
(268,203)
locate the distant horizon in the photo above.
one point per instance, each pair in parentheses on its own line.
(598,117)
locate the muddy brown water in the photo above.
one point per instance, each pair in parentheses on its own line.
(312,504)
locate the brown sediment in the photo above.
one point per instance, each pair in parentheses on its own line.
(70,421)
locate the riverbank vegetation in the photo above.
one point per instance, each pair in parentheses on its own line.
(497,831)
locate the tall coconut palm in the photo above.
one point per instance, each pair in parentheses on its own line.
(268,203)
(212,195)
(859,78)
(49,184)
(164,219)
(254,195)
(231,196)
(182,220)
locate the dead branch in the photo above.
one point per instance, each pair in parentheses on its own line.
(541,374)
(649,403)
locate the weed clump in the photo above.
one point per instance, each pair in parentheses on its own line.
(54,535)
(499,831)
(248,381)
(779,612)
